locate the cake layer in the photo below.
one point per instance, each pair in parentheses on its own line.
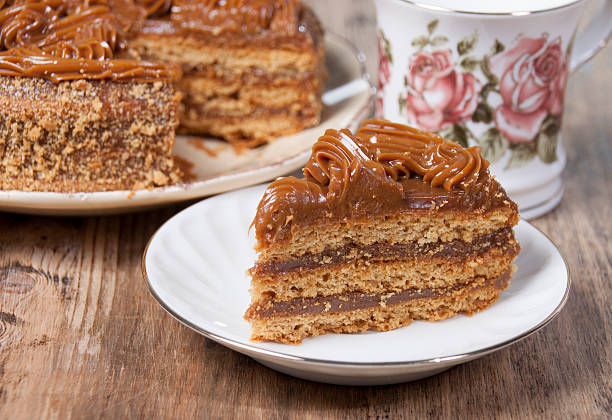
(382,274)
(235,94)
(418,226)
(222,77)
(86,135)
(246,130)
(353,300)
(240,107)
(194,54)
(456,249)
(290,322)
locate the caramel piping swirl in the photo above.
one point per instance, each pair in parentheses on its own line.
(336,158)
(406,151)
(397,151)
(76,39)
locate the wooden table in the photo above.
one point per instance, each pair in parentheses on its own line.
(80,335)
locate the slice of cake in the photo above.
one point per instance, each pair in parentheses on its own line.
(78,116)
(252,69)
(389,225)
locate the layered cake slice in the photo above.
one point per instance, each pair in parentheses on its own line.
(252,69)
(389,225)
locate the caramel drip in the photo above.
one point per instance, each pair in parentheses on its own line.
(406,151)
(77,39)
(247,16)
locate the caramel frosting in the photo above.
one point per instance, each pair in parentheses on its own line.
(404,151)
(385,168)
(31,62)
(75,39)
(156,8)
(284,24)
(86,39)
(244,16)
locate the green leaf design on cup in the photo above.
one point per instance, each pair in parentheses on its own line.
(431,26)
(484,67)
(438,40)
(522,154)
(458,134)
(493,144)
(420,42)
(483,113)
(470,63)
(467,44)
(548,138)
(486,89)
(497,47)
(402,103)
(386,45)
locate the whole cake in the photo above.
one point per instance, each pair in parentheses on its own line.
(389,225)
(91,90)
(76,115)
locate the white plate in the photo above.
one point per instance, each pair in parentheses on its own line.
(195,267)
(347,98)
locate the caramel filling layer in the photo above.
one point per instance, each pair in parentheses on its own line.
(355,301)
(456,249)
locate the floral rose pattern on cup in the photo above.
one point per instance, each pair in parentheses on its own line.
(438,95)
(525,84)
(528,77)
(532,77)
(385,59)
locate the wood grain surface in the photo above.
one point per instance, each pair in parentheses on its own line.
(81,337)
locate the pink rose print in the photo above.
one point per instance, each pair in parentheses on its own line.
(558,92)
(532,77)
(457,92)
(384,70)
(438,95)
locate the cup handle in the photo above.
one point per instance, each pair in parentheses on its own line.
(594,37)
